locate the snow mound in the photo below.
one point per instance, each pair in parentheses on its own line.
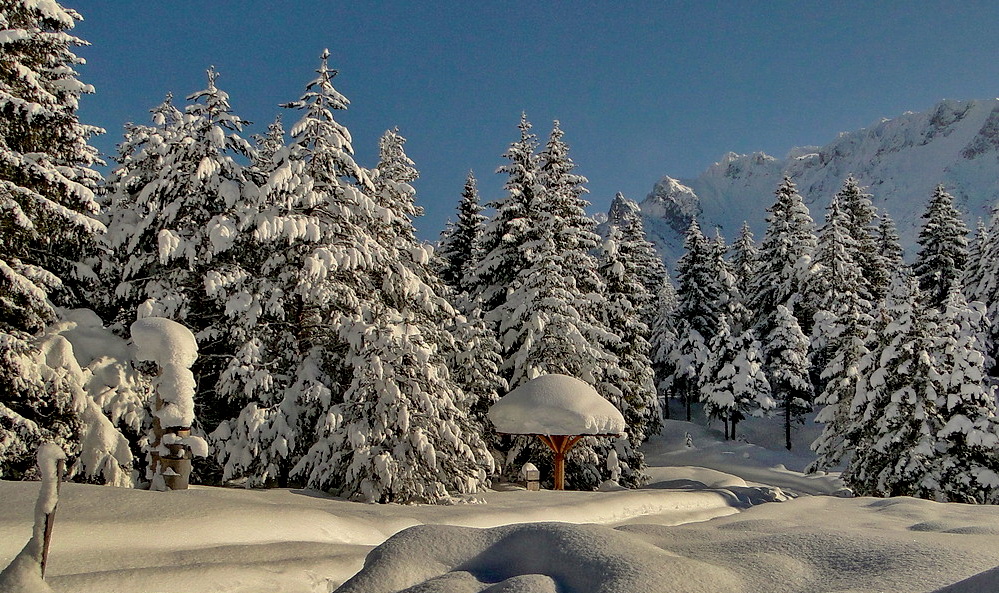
(164,342)
(555,405)
(530,558)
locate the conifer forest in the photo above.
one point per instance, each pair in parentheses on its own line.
(338,352)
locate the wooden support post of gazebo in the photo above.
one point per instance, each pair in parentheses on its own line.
(560,445)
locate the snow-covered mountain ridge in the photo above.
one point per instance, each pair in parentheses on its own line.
(899,160)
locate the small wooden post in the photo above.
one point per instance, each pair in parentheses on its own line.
(50,518)
(176,466)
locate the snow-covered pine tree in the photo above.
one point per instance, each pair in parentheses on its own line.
(551,320)
(657,312)
(499,246)
(626,297)
(786,359)
(860,217)
(475,366)
(662,340)
(966,463)
(268,146)
(313,257)
(651,269)
(696,294)
(396,171)
(888,243)
(696,314)
(282,378)
(48,228)
(745,258)
(838,281)
(847,337)
(785,261)
(733,384)
(457,252)
(973,271)
(729,300)
(181,209)
(987,290)
(394,427)
(943,248)
(895,406)
(396,434)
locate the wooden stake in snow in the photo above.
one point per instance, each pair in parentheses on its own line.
(47,479)
(27,571)
(559,410)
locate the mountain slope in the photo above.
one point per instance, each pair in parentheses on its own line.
(900,160)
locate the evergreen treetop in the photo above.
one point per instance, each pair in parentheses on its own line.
(943,248)
(458,246)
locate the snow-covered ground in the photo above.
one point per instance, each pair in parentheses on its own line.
(703,524)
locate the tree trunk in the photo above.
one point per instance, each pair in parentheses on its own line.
(787,423)
(725,419)
(735,420)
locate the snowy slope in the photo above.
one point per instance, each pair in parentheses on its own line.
(705,523)
(900,160)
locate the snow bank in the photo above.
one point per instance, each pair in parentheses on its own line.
(527,558)
(555,405)
(811,544)
(215,540)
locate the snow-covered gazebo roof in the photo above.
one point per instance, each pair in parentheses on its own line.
(559,410)
(556,405)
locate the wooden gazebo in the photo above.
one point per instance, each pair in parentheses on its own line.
(559,410)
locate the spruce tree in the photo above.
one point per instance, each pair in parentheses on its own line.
(888,243)
(651,269)
(268,146)
(837,286)
(745,258)
(860,217)
(895,402)
(785,260)
(966,464)
(974,273)
(943,249)
(393,189)
(457,253)
(728,296)
(696,315)
(500,243)
(626,297)
(658,309)
(388,422)
(786,358)
(733,384)
(987,291)
(848,338)
(48,226)
(662,341)
(181,210)
(475,365)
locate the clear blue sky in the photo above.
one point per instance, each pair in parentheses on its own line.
(642,89)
